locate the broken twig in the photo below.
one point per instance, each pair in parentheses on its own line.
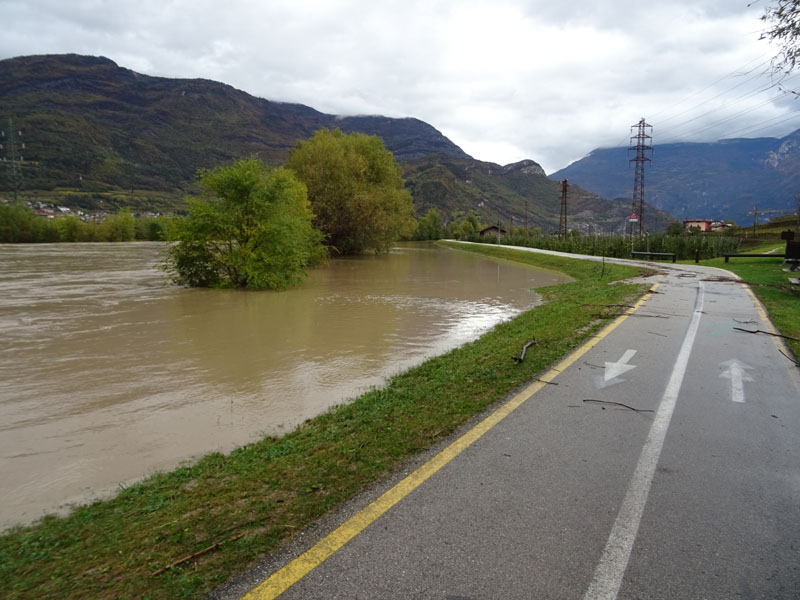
(787,288)
(618,404)
(520,358)
(796,364)
(636,314)
(786,337)
(196,554)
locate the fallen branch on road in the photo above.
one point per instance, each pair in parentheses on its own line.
(796,364)
(618,404)
(786,337)
(777,286)
(636,314)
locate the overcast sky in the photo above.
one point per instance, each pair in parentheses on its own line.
(503,79)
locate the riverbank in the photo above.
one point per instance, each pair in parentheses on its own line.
(179,534)
(110,375)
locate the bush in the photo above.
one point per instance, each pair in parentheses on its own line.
(255,232)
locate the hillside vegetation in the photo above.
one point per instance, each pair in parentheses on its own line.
(100,136)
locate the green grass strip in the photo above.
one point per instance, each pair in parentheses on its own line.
(226,511)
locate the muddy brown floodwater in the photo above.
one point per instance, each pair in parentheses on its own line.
(109,374)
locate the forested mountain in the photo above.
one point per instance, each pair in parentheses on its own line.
(721,180)
(96,131)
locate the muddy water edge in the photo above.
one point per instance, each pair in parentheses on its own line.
(109,373)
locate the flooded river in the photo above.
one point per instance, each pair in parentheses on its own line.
(107,373)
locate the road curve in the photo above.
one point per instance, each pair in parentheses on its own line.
(665,463)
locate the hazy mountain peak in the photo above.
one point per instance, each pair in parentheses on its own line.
(527,167)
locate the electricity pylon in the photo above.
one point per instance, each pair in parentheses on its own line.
(642,148)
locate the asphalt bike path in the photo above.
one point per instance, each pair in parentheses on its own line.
(660,460)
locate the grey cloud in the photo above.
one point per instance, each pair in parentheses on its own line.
(508,80)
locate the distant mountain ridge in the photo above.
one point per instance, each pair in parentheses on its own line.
(718,180)
(92,126)
(104,117)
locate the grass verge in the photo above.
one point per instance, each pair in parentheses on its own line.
(227,510)
(770,283)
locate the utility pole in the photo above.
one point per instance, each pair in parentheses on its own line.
(642,147)
(776,211)
(562,225)
(13,157)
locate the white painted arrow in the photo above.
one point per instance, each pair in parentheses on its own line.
(736,371)
(615,369)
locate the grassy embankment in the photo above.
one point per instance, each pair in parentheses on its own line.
(227,510)
(770,283)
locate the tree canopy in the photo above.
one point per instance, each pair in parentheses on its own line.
(356,191)
(253,232)
(429,227)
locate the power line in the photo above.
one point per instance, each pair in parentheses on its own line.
(765,124)
(751,73)
(713,124)
(719,107)
(735,73)
(739,72)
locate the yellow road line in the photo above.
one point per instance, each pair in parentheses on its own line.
(283,579)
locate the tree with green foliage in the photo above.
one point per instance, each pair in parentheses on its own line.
(675,228)
(254,232)
(19,224)
(429,227)
(467,230)
(154,229)
(72,229)
(120,227)
(356,191)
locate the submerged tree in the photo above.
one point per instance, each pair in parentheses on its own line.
(356,191)
(255,232)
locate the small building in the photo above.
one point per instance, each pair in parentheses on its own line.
(495,230)
(701,224)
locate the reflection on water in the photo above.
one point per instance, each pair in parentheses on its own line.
(109,373)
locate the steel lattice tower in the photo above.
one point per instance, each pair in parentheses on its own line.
(642,148)
(562,225)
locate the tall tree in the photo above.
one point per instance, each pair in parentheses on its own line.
(430,226)
(254,232)
(356,191)
(120,227)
